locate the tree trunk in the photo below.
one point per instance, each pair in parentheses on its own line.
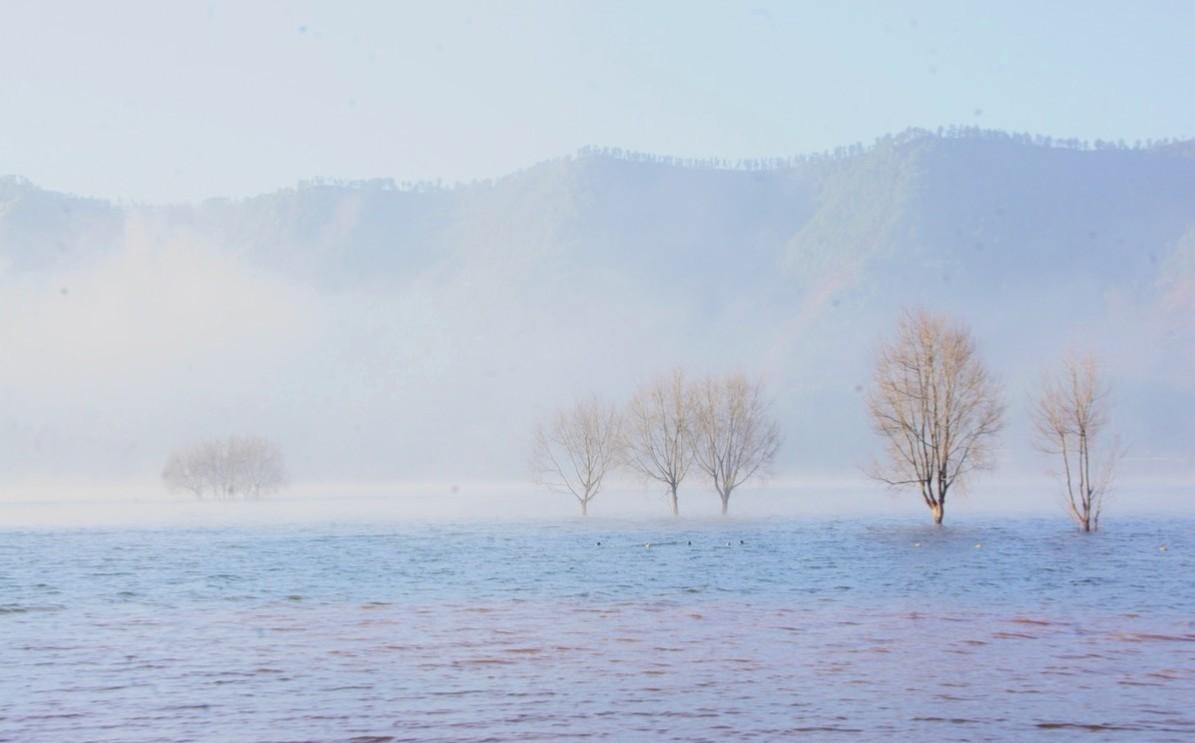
(584,508)
(675,505)
(1090,514)
(938,510)
(725,502)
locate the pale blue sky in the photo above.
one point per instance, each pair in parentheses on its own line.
(158,101)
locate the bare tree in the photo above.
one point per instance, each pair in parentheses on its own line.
(657,437)
(183,472)
(258,466)
(1070,415)
(576,449)
(734,437)
(245,466)
(936,406)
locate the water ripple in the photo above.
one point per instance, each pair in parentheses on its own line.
(720,631)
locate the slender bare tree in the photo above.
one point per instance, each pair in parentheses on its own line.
(734,437)
(657,438)
(1070,415)
(577,448)
(245,466)
(936,407)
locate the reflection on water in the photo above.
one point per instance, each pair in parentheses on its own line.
(716,631)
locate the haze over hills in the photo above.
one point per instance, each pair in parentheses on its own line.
(383,332)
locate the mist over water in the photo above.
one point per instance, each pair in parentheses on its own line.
(86,505)
(604,629)
(463,371)
(383,337)
(378,333)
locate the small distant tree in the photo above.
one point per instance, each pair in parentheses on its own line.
(1071,415)
(255,466)
(183,472)
(936,407)
(734,437)
(658,441)
(577,448)
(237,466)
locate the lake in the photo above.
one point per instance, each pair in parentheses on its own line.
(703,629)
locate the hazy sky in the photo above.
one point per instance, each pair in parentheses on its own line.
(159,101)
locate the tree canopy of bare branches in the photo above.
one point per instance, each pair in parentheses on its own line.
(229,468)
(1070,415)
(577,448)
(936,406)
(733,435)
(658,442)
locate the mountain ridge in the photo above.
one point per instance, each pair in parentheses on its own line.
(479,306)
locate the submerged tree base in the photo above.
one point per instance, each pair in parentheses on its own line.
(938,512)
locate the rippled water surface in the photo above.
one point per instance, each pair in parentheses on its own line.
(544,631)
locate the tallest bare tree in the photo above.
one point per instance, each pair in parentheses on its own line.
(936,407)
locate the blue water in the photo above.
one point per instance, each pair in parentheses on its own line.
(718,630)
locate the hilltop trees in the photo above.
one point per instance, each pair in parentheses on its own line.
(1070,416)
(734,436)
(658,434)
(229,468)
(577,448)
(936,407)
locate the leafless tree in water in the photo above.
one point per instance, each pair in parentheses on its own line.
(658,442)
(733,434)
(1071,415)
(936,406)
(577,448)
(237,466)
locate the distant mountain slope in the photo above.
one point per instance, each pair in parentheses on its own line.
(41,229)
(487,303)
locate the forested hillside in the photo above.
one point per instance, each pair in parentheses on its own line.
(388,330)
